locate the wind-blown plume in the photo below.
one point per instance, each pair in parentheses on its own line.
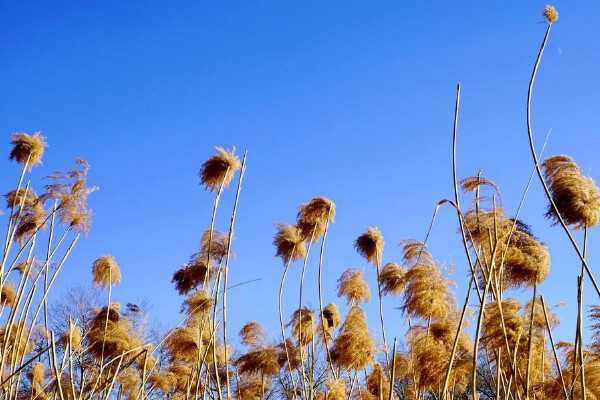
(27,147)
(219,244)
(71,191)
(576,196)
(32,215)
(331,319)
(289,243)
(219,169)
(427,294)
(370,245)
(106,272)
(303,320)
(314,216)
(193,274)
(198,303)
(353,348)
(36,378)
(352,285)
(252,334)
(8,295)
(550,14)
(392,279)
(259,362)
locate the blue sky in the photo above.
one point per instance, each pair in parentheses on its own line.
(352,100)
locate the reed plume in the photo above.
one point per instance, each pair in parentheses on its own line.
(31,217)
(314,216)
(289,243)
(378,384)
(550,14)
(27,149)
(218,247)
(370,245)
(263,362)
(109,334)
(576,196)
(252,334)
(198,304)
(72,337)
(36,379)
(353,348)
(219,169)
(296,357)
(336,389)
(527,261)
(193,274)
(303,325)
(392,279)
(427,294)
(8,295)
(71,191)
(352,286)
(14,341)
(106,272)
(330,320)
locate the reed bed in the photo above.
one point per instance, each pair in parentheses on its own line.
(319,354)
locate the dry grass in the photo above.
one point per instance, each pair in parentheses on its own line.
(109,353)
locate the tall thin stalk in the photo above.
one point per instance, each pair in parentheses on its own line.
(230,238)
(539,171)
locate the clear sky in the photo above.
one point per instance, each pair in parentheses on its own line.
(351,100)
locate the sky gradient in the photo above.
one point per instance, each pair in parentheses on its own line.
(353,101)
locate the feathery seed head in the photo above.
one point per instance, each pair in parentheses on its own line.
(262,362)
(527,261)
(353,348)
(427,294)
(392,279)
(8,295)
(336,389)
(214,245)
(289,243)
(252,334)
(550,14)
(36,377)
(106,272)
(370,245)
(352,285)
(314,216)
(27,147)
(198,303)
(30,217)
(330,320)
(71,191)
(194,274)
(303,325)
(219,169)
(577,197)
